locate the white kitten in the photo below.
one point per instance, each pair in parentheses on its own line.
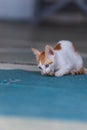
(61,60)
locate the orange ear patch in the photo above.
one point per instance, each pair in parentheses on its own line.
(58,47)
(37,53)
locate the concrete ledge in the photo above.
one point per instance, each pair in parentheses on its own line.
(16,123)
(8,66)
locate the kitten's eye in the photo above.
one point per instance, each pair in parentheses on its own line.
(40,68)
(47,65)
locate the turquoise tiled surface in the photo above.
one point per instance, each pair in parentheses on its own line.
(29,94)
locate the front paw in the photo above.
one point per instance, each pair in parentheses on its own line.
(51,73)
(59,74)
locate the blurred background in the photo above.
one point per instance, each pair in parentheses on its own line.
(34,23)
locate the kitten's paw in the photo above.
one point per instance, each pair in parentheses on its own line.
(58,74)
(51,73)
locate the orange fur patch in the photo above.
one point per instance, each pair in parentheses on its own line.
(81,71)
(74,47)
(42,57)
(49,62)
(58,47)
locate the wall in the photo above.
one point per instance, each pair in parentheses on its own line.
(16,9)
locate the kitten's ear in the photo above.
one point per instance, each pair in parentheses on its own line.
(49,51)
(36,52)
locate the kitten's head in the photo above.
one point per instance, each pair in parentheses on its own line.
(45,59)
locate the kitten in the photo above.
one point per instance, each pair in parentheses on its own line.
(61,60)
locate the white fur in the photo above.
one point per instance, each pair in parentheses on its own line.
(66,59)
